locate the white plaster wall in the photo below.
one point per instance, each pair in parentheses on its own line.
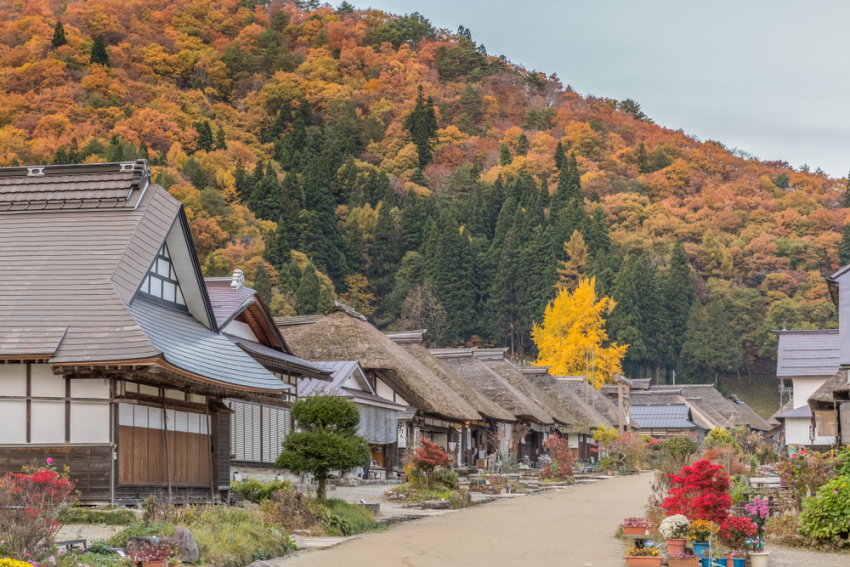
(386,392)
(804,388)
(844,318)
(45,384)
(89,422)
(241,330)
(797,433)
(13,379)
(13,421)
(97,389)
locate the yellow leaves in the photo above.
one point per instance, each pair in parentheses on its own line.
(176,157)
(573,334)
(164,64)
(450,135)
(580,138)
(512,135)
(404,161)
(571,270)
(99,80)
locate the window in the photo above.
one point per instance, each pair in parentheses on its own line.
(161,280)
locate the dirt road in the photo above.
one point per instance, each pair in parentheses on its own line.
(572,527)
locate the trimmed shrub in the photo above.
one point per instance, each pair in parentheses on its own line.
(827,514)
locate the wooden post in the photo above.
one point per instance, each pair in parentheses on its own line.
(167,455)
(619,403)
(210,454)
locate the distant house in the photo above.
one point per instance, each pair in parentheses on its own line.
(260,423)
(112,358)
(805,361)
(433,410)
(378,415)
(663,420)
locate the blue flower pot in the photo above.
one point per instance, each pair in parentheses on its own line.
(704,562)
(739,562)
(722,562)
(700,549)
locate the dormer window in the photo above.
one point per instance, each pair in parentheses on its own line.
(161,281)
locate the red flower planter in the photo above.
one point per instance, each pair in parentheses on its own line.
(645,561)
(635,530)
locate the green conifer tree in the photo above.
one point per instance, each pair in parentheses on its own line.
(522,145)
(262,284)
(844,247)
(264,200)
(205,136)
(99,56)
(678,298)
(278,250)
(560,157)
(385,251)
(847,192)
(59,38)
(642,160)
(505,157)
(422,125)
(307,299)
(220,139)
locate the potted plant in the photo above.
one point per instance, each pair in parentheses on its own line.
(636,526)
(700,532)
(638,556)
(606,463)
(718,556)
(735,532)
(758,556)
(154,554)
(675,530)
(684,559)
(738,557)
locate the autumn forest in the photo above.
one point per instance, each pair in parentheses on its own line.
(336,153)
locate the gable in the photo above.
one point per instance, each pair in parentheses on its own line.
(161,283)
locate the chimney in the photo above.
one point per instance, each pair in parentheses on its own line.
(238,280)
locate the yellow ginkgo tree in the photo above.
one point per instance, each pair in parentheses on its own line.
(572,336)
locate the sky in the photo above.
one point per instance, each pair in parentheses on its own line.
(769,77)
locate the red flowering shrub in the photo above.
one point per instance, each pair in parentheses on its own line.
(736,530)
(560,464)
(29,506)
(427,458)
(700,492)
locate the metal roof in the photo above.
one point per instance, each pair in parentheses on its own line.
(340,371)
(667,416)
(802,411)
(807,353)
(292,362)
(225,300)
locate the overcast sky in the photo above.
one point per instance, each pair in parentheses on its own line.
(767,76)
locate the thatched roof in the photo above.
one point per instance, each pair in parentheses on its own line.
(594,398)
(732,414)
(492,385)
(484,405)
(586,411)
(501,366)
(825,396)
(339,336)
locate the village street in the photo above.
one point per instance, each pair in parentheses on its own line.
(571,527)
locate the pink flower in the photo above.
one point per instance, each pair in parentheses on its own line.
(49,460)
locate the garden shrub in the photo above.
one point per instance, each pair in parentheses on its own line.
(719,437)
(29,505)
(677,452)
(560,464)
(447,478)
(256,491)
(700,491)
(428,458)
(358,518)
(805,474)
(736,530)
(826,515)
(90,516)
(292,510)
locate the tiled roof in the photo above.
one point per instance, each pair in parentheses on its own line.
(807,353)
(667,416)
(292,362)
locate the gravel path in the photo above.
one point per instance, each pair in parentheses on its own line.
(570,527)
(790,557)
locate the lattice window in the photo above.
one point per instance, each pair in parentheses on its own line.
(161,280)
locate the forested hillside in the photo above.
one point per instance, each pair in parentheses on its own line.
(431,184)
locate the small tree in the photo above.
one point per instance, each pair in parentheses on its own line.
(99,56)
(560,465)
(326,439)
(427,458)
(59,38)
(700,492)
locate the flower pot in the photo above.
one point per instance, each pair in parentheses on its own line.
(160,563)
(634,530)
(758,558)
(676,546)
(701,549)
(644,561)
(678,562)
(739,561)
(610,472)
(722,561)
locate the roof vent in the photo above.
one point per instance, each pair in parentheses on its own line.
(238,280)
(33,171)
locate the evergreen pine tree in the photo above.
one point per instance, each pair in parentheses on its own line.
(844,247)
(99,56)
(522,145)
(278,250)
(453,277)
(419,178)
(307,299)
(598,237)
(343,182)
(143,150)
(422,125)
(74,152)
(115,151)
(385,250)
(544,199)
(627,323)
(264,200)
(847,192)
(502,304)
(61,157)
(240,179)
(262,284)
(58,36)
(642,160)
(287,281)
(205,137)
(505,157)
(413,219)
(319,200)
(560,157)
(678,298)
(220,139)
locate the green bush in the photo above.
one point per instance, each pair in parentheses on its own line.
(256,491)
(92,560)
(448,478)
(357,519)
(90,516)
(827,514)
(121,539)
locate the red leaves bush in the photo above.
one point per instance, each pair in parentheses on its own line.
(560,465)
(428,457)
(700,492)
(29,506)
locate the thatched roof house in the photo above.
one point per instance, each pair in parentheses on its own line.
(340,336)
(495,360)
(491,385)
(483,404)
(587,408)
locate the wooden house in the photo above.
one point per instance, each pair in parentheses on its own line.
(478,443)
(378,415)
(533,423)
(112,359)
(260,423)
(432,409)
